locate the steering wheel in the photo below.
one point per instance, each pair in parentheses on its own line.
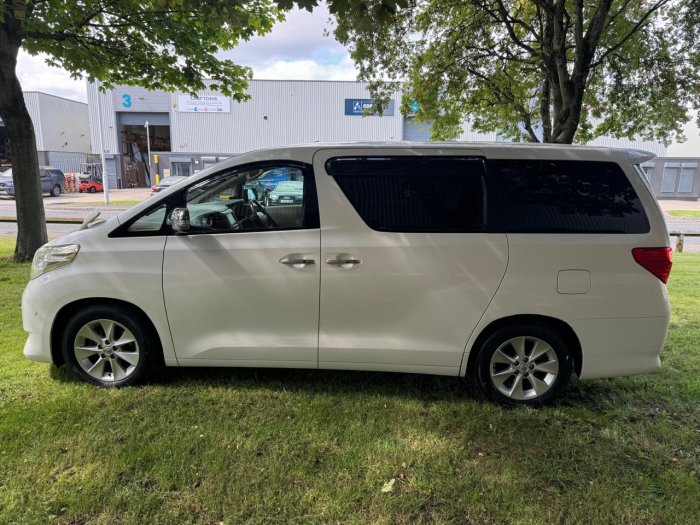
(257,208)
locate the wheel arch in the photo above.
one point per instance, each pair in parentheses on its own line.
(562,327)
(68,310)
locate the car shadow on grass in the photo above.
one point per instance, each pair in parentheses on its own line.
(595,395)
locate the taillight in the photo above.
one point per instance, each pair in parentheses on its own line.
(656,260)
(154,189)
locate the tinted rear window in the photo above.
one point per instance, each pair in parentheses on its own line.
(413,194)
(535,196)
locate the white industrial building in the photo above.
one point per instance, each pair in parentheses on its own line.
(188,134)
(62,131)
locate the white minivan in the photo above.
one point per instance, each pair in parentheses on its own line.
(514,265)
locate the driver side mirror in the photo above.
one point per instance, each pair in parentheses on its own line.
(251,194)
(180,219)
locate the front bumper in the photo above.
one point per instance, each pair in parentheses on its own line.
(39,309)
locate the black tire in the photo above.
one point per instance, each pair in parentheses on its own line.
(92,189)
(529,374)
(146,346)
(55,191)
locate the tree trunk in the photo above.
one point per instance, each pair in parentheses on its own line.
(31,220)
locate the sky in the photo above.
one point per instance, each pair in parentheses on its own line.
(296,49)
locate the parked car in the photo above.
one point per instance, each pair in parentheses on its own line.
(90,186)
(166,182)
(286,193)
(542,261)
(53,182)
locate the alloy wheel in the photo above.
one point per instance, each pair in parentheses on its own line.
(106,350)
(524,368)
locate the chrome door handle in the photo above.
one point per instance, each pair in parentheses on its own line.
(297,262)
(344,262)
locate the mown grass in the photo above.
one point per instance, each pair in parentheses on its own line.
(684,213)
(270,446)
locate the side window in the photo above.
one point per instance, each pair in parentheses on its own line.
(541,196)
(150,222)
(254,199)
(413,193)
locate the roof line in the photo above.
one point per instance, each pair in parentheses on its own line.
(55,96)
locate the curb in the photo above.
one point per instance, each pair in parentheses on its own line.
(49,220)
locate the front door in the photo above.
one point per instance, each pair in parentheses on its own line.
(407,268)
(242,287)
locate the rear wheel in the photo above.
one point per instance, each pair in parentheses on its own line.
(523,365)
(55,191)
(92,189)
(110,346)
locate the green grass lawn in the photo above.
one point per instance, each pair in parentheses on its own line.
(280,446)
(684,213)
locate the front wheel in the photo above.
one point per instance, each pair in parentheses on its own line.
(92,189)
(110,346)
(523,365)
(55,191)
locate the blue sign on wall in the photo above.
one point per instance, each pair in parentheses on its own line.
(357,106)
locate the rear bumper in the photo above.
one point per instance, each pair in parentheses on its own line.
(618,347)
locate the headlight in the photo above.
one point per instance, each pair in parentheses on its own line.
(50,256)
(274,197)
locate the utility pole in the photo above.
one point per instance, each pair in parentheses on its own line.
(148,148)
(105,178)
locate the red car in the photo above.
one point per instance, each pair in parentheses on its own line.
(90,186)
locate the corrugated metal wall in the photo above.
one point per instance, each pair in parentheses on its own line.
(281,113)
(31,99)
(109,128)
(64,124)
(67,162)
(610,142)
(111,170)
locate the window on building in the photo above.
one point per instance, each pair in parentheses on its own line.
(535,196)
(413,194)
(685,183)
(647,170)
(668,182)
(208,162)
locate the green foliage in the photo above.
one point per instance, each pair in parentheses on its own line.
(552,70)
(157,44)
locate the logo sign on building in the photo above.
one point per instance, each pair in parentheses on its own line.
(203,104)
(359,107)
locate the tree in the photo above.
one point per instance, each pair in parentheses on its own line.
(157,44)
(536,70)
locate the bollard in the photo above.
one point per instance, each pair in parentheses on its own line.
(679,242)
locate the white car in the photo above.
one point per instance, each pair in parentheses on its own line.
(539,262)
